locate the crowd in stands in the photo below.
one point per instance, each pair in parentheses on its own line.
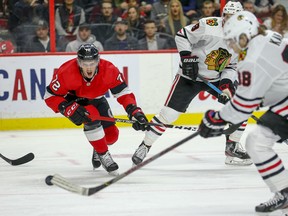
(116,24)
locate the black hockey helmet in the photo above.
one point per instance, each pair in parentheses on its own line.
(88,52)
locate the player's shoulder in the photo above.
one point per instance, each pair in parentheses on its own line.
(105,64)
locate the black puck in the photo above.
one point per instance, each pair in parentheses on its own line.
(48,180)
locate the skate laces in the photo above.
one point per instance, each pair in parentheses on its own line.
(142,151)
(239,148)
(274,201)
(107,159)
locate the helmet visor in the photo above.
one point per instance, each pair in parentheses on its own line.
(88,63)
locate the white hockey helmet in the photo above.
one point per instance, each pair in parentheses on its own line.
(243,22)
(232,7)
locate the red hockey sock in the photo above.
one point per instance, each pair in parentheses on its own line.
(100,145)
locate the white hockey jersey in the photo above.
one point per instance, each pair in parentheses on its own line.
(205,40)
(263,78)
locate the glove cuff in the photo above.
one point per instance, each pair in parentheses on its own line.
(131,109)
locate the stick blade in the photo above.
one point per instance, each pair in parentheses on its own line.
(22,160)
(63,183)
(25,159)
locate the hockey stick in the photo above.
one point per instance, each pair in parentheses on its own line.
(104,118)
(22,160)
(65,184)
(88,191)
(109,119)
(219,91)
(255,118)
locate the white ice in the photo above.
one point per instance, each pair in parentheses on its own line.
(189,180)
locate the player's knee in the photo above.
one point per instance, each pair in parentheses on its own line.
(111,134)
(92,125)
(256,142)
(94,133)
(168,115)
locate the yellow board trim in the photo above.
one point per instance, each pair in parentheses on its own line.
(61,123)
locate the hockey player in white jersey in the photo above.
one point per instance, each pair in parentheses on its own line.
(202,50)
(263,80)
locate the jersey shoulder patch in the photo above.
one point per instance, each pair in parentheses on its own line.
(195,27)
(212,22)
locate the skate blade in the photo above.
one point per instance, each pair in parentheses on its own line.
(238,162)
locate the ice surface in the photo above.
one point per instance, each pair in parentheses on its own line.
(190,180)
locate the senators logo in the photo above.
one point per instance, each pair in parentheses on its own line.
(212,22)
(218,59)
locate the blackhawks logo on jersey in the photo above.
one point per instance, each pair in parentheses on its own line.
(242,55)
(218,59)
(212,22)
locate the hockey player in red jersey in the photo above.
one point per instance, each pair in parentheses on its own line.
(202,51)
(77,91)
(263,74)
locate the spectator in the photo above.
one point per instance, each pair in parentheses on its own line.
(151,41)
(121,40)
(106,16)
(278,21)
(7,41)
(40,9)
(88,6)
(84,36)
(135,22)
(103,27)
(249,6)
(6,46)
(264,7)
(40,42)
(208,9)
(189,7)
(146,7)
(133,3)
(175,19)
(22,13)
(68,17)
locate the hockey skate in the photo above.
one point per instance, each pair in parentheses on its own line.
(108,163)
(95,160)
(236,155)
(278,202)
(140,153)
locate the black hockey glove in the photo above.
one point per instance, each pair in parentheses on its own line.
(190,66)
(211,125)
(74,112)
(135,113)
(228,90)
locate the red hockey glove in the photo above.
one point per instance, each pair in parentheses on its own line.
(190,66)
(135,113)
(74,112)
(211,125)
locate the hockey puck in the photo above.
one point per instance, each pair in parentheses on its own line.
(48,180)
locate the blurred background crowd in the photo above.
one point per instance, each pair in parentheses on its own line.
(116,24)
